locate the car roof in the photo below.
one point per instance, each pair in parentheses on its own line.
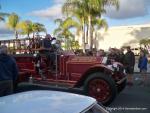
(45,102)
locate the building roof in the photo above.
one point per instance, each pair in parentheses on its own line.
(130,26)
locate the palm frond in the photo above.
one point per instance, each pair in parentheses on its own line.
(57,31)
(101,23)
(2,18)
(69,23)
(58,20)
(3,15)
(13,20)
(69,6)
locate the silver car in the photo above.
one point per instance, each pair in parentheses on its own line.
(49,102)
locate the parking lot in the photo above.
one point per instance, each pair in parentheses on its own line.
(135,99)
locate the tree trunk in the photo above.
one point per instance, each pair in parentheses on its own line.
(89,32)
(28,35)
(87,35)
(16,34)
(33,34)
(92,37)
(83,35)
(95,44)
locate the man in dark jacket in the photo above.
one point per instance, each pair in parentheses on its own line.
(46,42)
(129,64)
(48,50)
(121,56)
(8,72)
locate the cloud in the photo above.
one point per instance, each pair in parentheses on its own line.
(4,29)
(5,33)
(59,1)
(52,12)
(129,9)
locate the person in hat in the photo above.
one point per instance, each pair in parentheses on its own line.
(129,62)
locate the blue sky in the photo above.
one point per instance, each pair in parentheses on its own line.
(45,11)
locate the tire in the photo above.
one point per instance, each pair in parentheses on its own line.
(103,84)
(122,86)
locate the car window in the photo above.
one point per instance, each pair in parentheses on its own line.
(97,109)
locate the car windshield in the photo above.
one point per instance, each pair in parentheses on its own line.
(97,109)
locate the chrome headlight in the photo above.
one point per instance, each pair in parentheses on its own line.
(110,67)
(104,61)
(115,66)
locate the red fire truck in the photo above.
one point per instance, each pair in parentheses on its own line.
(87,73)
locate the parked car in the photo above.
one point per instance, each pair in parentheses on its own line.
(49,102)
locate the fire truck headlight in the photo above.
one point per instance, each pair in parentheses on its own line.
(115,66)
(104,61)
(35,55)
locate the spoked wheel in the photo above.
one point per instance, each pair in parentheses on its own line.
(101,87)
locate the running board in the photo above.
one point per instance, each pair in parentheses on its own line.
(25,86)
(55,81)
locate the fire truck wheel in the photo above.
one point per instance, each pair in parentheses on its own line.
(101,87)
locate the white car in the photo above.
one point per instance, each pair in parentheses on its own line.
(49,102)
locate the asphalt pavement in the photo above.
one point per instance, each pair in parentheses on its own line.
(135,99)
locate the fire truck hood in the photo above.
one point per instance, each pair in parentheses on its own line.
(45,102)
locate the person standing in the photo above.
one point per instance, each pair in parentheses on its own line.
(8,72)
(46,43)
(121,55)
(129,62)
(49,51)
(142,65)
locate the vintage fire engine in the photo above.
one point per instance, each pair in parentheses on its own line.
(88,73)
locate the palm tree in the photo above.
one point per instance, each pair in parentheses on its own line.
(58,31)
(26,27)
(63,28)
(13,21)
(97,24)
(91,8)
(78,18)
(75,45)
(145,43)
(63,32)
(38,27)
